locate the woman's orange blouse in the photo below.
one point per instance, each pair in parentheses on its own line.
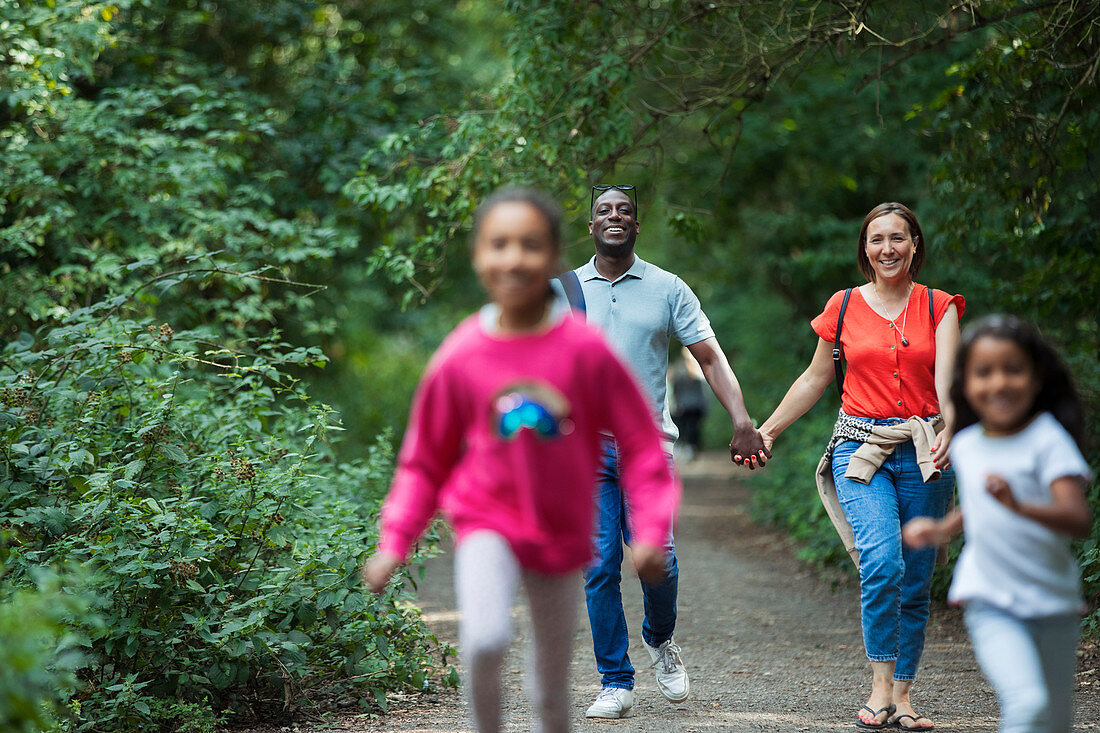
(884,378)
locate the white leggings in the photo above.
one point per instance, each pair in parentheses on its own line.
(486,578)
(1030,663)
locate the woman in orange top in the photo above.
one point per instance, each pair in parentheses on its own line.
(899,358)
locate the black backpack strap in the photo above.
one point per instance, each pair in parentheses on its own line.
(836,343)
(571,284)
(932,318)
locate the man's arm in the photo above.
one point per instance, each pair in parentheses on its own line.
(746,444)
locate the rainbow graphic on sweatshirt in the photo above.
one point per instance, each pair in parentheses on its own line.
(534,406)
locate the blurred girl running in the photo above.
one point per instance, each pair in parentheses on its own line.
(504,437)
(1022,482)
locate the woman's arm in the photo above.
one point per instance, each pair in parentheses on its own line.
(947,343)
(1068,512)
(803,394)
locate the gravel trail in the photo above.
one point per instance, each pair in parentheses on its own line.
(769,644)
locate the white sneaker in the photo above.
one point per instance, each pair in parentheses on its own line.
(612,702)
(672,677)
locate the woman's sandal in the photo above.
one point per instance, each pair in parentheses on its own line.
(895,722)
(889,710)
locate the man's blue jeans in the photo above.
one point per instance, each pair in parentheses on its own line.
(603,578)
(894,580)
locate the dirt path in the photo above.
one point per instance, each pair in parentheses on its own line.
(769,645)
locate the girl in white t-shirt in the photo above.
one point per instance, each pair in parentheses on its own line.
(1022,482)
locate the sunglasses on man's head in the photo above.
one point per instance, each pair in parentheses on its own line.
(626,188)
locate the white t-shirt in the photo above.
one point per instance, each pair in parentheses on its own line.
(1010,561)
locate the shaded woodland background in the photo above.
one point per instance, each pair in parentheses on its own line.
(231,234)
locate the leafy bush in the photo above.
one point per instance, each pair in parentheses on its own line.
(39,653)
(195,485)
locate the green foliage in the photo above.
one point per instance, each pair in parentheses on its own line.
(162,172)
(789,498)
(162,132)
(569,107)
(40,652)
(142,138)
(185,717)
(179,163)
(1030,94)
(629,83)
(195,486)
(378,357)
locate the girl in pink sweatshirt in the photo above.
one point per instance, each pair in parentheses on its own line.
(504,438)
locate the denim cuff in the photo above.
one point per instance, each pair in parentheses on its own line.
(883,657)
(904,677)
(652,641)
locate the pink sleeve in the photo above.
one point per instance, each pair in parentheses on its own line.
(429,452)
(651,488)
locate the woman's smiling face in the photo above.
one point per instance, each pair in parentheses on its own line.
(889,247)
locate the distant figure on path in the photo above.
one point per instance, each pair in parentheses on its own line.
(889,445)
(1022,484)
(505,437)
(689,402)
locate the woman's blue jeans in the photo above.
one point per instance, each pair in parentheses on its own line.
(894,580)
(602,593)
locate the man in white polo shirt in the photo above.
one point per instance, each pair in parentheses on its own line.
(640,307)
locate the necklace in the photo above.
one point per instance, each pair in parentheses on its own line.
(904,313)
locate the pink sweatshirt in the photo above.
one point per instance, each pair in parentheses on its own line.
(505,436)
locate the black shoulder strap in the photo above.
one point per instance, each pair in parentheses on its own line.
(571,284)
(836,343)
(932,318)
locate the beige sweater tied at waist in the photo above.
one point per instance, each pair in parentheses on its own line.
(877,446)
(880,444)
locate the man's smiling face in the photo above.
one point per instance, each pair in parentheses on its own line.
(614,226)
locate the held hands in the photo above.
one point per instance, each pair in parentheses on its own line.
(750,447)
(649,561)
(377,570)
(768,439)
